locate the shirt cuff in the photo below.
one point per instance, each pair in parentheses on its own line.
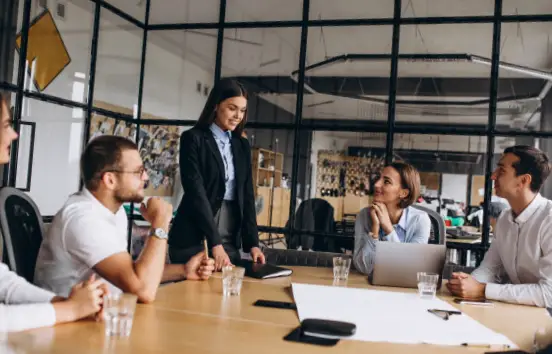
(492,291)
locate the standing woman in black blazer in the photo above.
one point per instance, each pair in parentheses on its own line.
(215,167)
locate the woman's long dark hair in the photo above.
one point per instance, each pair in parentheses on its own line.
(224,89)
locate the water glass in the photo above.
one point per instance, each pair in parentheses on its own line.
(341,266)
(542,338)
(119,314)
(232,278)
(427,284)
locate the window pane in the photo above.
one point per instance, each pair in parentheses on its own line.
(520,7)
(118,63)
(58,50)
(179,73)
(184,11)
(266,10)
(349,84)
(345,9)
(59,133)
(136,9)
(264,60)
(442,84)
(452,173)
(522,77)
(447,8)
(272,156)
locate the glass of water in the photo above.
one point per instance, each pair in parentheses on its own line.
(427,284)
(119,314)
(341,266)
(542,338)
(232,278)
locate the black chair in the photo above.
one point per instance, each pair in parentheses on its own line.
(438,234)
(300,258)
(315,215)
(22,228)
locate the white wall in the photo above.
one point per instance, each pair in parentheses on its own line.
(455,186)
(169,92)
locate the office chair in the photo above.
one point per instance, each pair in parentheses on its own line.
(438,234)
(22,228)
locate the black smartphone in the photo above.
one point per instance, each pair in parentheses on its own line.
(276,304)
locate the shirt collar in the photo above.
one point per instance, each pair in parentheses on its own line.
(219,133)
(528,211)
(402,220)
(88,195)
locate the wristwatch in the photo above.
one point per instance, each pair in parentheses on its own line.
(160,234)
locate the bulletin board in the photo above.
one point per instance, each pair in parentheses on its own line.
(158,145)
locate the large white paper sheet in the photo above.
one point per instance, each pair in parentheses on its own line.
(383,316)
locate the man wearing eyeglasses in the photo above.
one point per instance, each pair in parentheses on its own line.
(89,234)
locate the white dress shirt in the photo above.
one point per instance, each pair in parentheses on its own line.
(83,233)
(518,266)
(23,305)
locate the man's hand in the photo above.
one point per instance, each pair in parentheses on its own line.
(466,287)
(221,257)
(199,267)
(257,255)
(158,212)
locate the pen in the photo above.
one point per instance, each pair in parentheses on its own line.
(206,248)
(483,345)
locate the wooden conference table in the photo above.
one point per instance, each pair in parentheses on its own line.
(194,317)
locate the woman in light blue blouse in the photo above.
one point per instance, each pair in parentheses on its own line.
(391,217)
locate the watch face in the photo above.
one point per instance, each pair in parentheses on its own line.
(160,233)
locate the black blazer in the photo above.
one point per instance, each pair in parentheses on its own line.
(202,173)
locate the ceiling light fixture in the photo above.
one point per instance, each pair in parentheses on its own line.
(513,67)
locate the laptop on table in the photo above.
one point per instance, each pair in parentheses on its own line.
(397,264)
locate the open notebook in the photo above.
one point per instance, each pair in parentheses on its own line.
(264,271)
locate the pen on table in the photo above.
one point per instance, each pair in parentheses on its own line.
(485,345)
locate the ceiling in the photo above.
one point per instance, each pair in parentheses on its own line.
(259,55)
(181,11)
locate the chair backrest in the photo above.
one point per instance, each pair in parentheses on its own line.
(300,258)
(316,215)
(22,228)
(438,231)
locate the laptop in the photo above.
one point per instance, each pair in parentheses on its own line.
(397,264)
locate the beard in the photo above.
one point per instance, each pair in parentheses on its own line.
(129,196)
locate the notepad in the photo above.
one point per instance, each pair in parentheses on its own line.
(264,271)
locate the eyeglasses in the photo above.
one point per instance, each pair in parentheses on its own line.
(140,172)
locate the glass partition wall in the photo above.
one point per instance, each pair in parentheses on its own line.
(336,92)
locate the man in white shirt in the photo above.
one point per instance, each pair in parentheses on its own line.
(24,306)
(518,266)
(89,234)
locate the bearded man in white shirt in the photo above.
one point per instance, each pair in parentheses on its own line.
(518,266)
(89,234)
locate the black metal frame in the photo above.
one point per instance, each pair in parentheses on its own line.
(301,123)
